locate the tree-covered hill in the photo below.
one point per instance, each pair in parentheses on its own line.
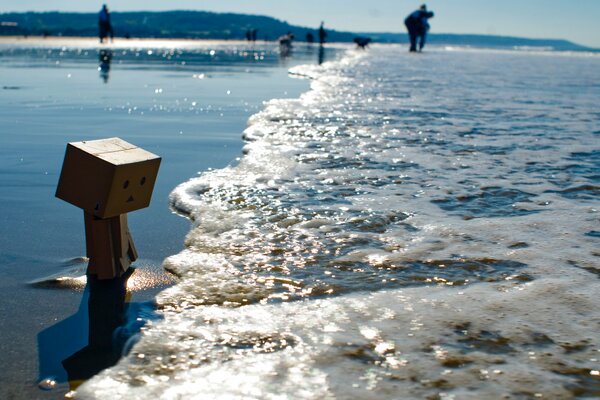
(209,25)
(168,24)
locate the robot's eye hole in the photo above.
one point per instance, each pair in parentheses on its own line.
(142,181)
(125,184)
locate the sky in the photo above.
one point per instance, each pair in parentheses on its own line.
(574,20)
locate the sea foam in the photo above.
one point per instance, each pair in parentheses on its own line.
(430,216)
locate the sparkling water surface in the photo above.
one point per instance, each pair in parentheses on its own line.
(414,226)
(187,101)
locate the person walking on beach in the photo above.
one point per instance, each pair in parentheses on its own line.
(417,25)
(322,34)
(104,26)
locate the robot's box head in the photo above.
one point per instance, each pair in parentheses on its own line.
(107,177)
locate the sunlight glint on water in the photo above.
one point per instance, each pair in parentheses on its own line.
(432,215)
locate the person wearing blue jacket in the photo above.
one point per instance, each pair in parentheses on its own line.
(417,25)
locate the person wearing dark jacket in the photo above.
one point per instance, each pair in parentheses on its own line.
(417,25)
(322,34)
(104,26)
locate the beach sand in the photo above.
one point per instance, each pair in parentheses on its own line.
(186,101)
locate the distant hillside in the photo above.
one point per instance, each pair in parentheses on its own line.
(484,41)
(208,25)
(169,24)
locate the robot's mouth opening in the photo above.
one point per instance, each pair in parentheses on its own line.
(130,199)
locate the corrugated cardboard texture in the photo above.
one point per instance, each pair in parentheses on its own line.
(107,177)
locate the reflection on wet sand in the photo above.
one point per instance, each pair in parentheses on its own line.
(95,337)
(105,57)
(321,54)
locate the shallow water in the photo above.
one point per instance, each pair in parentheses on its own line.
(416,226)
(187,101)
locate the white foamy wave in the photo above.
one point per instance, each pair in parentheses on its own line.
(452,207)
(365,346)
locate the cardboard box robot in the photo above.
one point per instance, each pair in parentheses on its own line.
(108,178)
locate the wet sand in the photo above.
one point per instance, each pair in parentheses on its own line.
(173,98)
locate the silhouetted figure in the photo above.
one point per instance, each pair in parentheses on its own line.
(362,42)
(251,35)
(104,27)
(105,57)
(310,38)
(322,33)
(285,44)
(417,25)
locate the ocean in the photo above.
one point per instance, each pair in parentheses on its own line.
(413,226)
(187,101)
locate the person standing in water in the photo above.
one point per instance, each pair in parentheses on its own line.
(322,34)
(104,26)
(417,25)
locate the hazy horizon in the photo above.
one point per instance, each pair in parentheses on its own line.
(539,19)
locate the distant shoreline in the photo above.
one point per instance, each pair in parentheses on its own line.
(86,39)
(121,42)
(231,26)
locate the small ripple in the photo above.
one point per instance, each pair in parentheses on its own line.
(583,192)
(490,202)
